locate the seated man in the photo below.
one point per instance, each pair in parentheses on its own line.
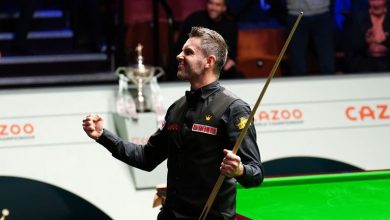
(367,39)
(215,18)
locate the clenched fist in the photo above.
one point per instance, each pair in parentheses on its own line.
(93,126)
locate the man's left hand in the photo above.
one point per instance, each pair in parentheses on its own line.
(231,165)
(229,64)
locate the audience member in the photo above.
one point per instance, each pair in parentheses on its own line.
(25,10)
(23,25)
(316,26)
(85,19)
(87,25)
(215,18)
(367,39)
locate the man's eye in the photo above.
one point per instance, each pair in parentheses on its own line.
(188,52)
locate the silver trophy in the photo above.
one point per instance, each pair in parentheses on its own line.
(140,74)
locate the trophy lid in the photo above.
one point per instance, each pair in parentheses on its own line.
(140,67)
(139,71)
(140,58)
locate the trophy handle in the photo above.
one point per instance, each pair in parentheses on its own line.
(160,71)
(120,70)
(123,71)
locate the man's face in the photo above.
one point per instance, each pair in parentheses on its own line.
(215,9)
(191,60)
(377,3)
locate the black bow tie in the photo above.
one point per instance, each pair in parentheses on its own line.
(193,96)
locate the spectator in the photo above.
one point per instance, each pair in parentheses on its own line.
(87,24)
(215,18)
(23,25)
(25,9)
(367,39)
(317,25)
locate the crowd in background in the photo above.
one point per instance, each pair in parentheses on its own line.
(341,36)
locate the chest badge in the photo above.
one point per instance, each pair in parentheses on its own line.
(208,117)
(204,129)
(241,123)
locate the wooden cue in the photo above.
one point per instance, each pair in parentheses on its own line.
(236,147)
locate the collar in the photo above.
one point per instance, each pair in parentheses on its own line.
(203,92)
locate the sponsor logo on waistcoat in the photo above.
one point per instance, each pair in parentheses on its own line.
(172,127)
(204,129)
(241,123)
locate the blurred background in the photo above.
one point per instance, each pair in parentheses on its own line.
(57,41)
(326,111)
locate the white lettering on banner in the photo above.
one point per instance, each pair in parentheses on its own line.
(367,112)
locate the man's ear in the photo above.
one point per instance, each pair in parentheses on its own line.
(224,9)
(210,61)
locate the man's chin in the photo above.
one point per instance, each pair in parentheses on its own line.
(180,76)
(215,17)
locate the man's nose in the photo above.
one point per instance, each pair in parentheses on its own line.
(179,56)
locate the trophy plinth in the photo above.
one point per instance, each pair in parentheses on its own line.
(139,74)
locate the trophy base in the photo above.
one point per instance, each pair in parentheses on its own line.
(142,109)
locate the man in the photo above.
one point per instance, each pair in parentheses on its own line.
(87,24)
(316,24)
(201,129)
(26,10)
(214,18)
(367,39)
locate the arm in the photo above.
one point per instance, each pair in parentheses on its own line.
(231,37)
(355,35)
(233,40)
(145,157)
(246,165)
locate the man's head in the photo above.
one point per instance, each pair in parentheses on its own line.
(377,2)
(216,8)
(377,5)
(212,44)
(204,51)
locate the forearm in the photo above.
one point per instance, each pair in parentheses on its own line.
(249,154)
(127,152)
(252,175)
(250,159)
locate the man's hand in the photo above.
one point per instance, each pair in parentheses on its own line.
(231,165)
(229,64)
(93,126)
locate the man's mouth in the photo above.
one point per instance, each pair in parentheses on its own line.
(181,64)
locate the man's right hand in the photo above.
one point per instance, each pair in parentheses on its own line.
(93,126)
(229,64)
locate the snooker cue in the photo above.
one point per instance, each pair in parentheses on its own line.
(236,147)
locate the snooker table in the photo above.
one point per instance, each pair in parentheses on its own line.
(357,195)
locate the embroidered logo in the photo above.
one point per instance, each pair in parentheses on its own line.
(208,117)
(241,124)
(204,129)
(173,127)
